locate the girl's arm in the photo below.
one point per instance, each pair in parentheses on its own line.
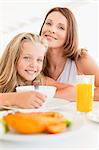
(23,100)
(7,99)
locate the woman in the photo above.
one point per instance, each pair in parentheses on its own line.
(64,60)
(21,64)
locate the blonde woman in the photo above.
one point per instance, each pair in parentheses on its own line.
(21,64)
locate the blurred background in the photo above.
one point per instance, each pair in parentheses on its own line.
(27,16)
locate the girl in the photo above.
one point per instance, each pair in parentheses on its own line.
(21,64)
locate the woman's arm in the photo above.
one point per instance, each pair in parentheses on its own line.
(96,93)
(65,91)
(88,66)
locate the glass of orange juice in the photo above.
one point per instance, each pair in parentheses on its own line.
(84,92)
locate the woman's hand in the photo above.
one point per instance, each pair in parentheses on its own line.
(23,100)
(67,93)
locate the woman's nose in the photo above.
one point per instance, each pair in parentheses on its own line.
(52,29)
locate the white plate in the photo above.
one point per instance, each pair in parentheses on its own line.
(77,123)
(53,104)
(93,116)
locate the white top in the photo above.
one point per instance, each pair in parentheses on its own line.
(69,73)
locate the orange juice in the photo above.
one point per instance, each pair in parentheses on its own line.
(84,97)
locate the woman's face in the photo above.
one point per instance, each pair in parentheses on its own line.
(31,60)
(55,29)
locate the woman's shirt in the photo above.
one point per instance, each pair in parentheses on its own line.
(69,73)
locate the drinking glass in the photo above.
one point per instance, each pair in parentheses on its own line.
(84,92)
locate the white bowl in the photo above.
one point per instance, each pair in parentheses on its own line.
(49,91)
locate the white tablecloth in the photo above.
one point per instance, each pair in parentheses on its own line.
(86,138)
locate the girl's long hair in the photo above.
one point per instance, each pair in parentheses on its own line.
(9,77)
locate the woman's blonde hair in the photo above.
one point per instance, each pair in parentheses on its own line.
(9,77)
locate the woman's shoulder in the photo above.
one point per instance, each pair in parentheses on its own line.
(85,57)
(86,62)
(82,53)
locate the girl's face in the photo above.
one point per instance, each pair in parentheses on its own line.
(31,60)
(55,29)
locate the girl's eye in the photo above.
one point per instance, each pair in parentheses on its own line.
(39,60)
(26,57)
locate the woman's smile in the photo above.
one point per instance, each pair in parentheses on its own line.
(48,36)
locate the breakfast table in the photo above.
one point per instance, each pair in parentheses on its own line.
(84,136)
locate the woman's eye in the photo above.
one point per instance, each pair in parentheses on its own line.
(48,23)
(62,28)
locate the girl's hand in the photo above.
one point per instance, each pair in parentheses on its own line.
(29,99)
(23,100)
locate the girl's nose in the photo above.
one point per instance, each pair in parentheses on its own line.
(33,67)
(33,64)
